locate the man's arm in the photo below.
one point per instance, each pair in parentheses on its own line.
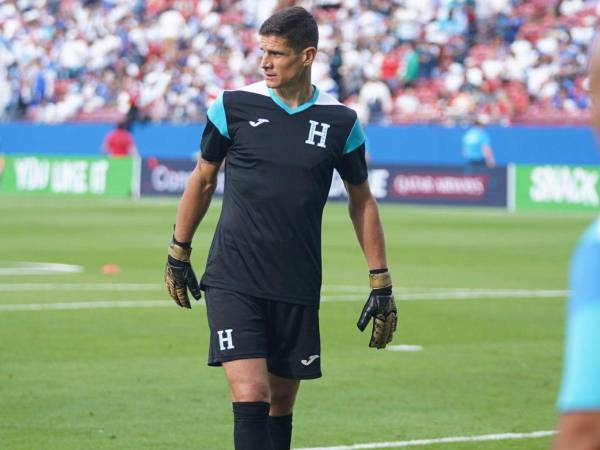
(578,431)
(488,154)
(380,305)
(196,199)
(364,214)
(179,275)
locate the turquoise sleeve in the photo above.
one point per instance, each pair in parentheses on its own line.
(216,114)
(355,139)
(580,389)
(486,139)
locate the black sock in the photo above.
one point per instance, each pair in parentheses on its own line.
(250,429)
(280,430)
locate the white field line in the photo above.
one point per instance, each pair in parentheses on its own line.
(124,287)
(404,348)
(14,287)
(455,295)
(401,293)
(33,268)
(400,289)
(103,304)
(420,296)
(446,440)
(87,305)
(119,287)
(508,293)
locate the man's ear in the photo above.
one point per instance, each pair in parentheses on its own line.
(309,55)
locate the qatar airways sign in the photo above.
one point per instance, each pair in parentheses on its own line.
(449,186)
(426,185)
(436,185)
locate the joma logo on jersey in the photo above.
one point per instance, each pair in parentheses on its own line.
(314,132)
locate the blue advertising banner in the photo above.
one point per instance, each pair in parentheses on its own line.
(434,185)
(162,176)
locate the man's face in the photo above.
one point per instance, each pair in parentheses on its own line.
(281,65)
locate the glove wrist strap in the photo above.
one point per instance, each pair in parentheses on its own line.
(380,280)
(179,252)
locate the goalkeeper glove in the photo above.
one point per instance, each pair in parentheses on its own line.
(179,275)
(381,307)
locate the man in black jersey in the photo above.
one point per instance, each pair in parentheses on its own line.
(281,138)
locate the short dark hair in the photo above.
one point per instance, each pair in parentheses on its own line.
(296,25)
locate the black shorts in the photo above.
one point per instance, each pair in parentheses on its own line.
(285,334)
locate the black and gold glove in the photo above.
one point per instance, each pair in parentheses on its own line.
(381,307)
(179,275)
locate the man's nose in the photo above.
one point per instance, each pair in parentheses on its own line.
(266,62)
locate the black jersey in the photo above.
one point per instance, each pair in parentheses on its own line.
(278,170)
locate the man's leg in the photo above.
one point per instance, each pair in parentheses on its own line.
(295,354)
(283,396)
(251,396)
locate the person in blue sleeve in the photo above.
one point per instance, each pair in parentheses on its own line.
(477,146)
(579,398)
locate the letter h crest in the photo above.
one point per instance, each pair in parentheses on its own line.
(313,132)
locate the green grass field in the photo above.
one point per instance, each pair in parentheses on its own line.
(136,378)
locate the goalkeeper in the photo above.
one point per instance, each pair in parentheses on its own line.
(282,138)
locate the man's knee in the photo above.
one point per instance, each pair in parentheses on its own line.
(283,395)
(251,391)
(282,403)
(248,380)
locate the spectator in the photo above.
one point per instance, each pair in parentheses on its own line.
(119,142)
(411,65)
(407,103)
(375,101)
(69,60)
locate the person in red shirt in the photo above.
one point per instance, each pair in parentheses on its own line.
(119,142)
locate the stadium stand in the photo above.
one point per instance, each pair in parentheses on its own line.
(403,61)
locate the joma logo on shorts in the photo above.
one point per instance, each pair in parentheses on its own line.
(226,340)
(311,359)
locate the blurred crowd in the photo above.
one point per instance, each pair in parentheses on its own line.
(394,61)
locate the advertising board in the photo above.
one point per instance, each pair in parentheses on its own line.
(419,184)
(550,187)
(57,175)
